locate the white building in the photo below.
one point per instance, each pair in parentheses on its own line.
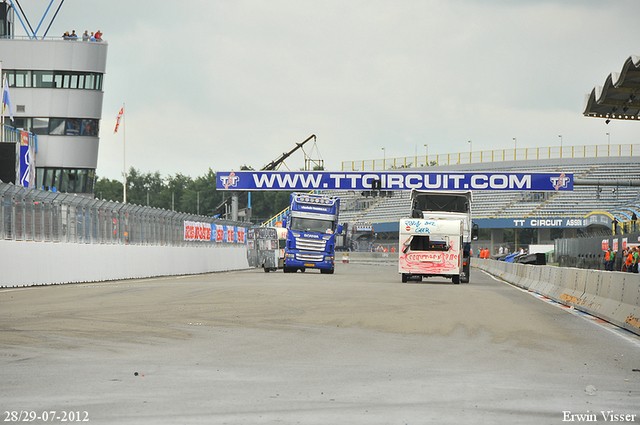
(56,93)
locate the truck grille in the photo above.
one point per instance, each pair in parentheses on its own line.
(312,258)
(311,244)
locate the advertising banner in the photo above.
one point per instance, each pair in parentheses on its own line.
(27,170)
(195,231)
(532,222)
(392,180)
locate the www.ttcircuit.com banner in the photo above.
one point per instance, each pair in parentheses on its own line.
(392,180)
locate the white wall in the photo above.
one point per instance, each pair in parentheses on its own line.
(35,263)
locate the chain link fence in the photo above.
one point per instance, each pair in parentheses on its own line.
(42,216)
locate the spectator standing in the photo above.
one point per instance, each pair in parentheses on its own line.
(628,262)
(85,36)
(612,259)
(636,257)
(98,36)
(607,259)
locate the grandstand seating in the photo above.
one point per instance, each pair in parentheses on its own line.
(620,201)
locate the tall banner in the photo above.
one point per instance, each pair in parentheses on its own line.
(393,180)
(27,167)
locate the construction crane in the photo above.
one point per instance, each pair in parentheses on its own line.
(227,204)
(275,163)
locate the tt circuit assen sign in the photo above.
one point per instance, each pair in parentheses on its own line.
(392,180)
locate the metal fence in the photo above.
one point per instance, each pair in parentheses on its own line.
(501,155)
(42,216)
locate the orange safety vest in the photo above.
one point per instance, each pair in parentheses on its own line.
(606,256)
(629,259)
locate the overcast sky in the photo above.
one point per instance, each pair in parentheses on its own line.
(218,84)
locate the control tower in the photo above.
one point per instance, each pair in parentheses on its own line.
(56,92)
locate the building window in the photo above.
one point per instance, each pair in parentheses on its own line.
(58,126)
(43,79)
(40,126)
(89,128)
(69,180)
(23,78)
(54,79)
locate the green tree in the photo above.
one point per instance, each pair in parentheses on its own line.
(140,185)
(111,190)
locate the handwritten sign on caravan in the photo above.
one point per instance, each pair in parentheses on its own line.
(392,180)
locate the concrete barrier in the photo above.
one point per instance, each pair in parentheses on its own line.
(36,263)
(611,296)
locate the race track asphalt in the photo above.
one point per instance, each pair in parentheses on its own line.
(356,347)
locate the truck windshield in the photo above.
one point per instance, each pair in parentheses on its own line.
(311,225)
(441,202)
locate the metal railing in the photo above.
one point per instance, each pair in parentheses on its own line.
(47,38)
(15,135)
(556,152)
(42,216)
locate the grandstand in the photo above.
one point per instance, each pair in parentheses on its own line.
(613,196)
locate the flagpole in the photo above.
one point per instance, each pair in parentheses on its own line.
(124,159)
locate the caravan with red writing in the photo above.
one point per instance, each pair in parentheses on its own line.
(431,247)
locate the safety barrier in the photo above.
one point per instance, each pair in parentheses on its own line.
(611,296)
(50,238)
(28,263)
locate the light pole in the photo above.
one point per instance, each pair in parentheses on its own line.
(560,136)
(426,153)
(515,148)
(608,143)
(470,146)
(384,159)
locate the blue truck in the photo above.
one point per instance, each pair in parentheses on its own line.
(311,238)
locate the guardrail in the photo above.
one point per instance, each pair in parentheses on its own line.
(42,216)
(501,155)
(612,296)
(52,238)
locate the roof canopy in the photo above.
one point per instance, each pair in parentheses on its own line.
(619,97)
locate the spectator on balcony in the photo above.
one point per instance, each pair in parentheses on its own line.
(73,35)
(98,36)
(85,36)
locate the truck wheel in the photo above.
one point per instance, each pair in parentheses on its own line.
(327,271)
(405,277)
(286,270)
(456,279)
(267,269)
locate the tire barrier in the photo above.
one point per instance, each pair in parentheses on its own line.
(610,296)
